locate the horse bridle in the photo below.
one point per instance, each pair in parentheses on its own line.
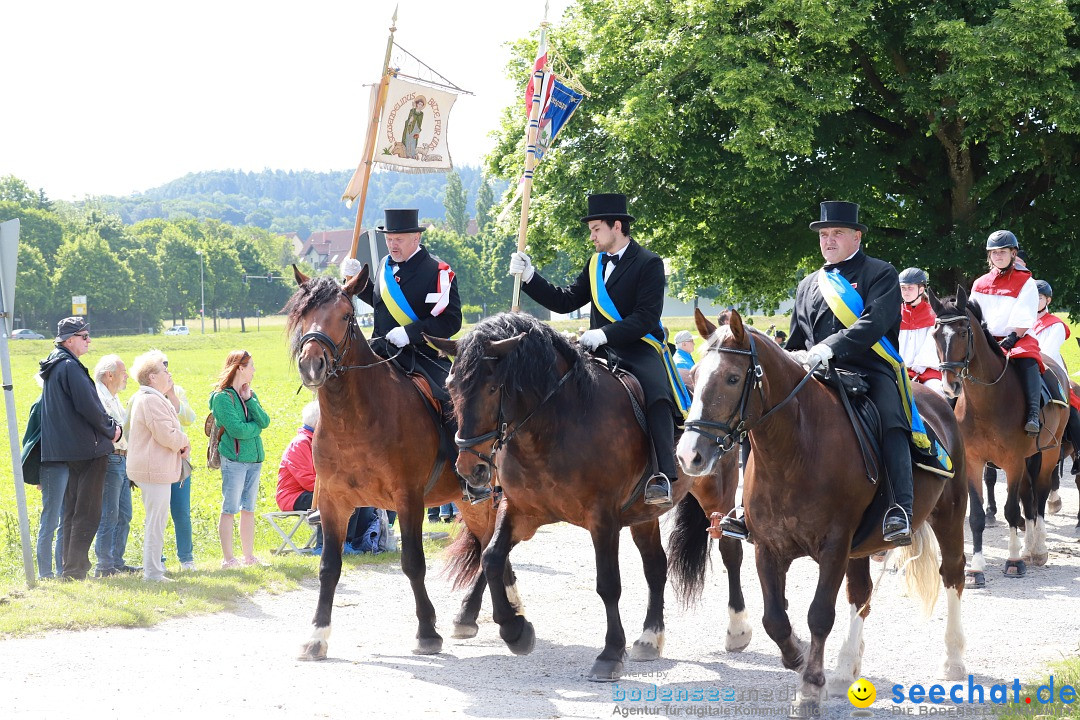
(734,434)
(338,351)
(499,436)
(962,368)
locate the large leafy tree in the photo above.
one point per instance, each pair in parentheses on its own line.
(455,202)
(87,266)
(147,308)
(727,121)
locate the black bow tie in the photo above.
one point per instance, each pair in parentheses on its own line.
(613,259)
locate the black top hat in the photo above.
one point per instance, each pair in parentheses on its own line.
(837,213)
(399,220)
(607,206)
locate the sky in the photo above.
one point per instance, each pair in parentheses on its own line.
(114,96)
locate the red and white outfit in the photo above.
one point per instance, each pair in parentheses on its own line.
(1010,302)
(917,347)
(1052,332)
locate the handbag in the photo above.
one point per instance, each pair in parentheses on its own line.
(185,469)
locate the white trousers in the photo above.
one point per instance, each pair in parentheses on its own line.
(155,497)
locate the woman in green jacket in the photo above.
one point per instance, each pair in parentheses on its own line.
(236,408)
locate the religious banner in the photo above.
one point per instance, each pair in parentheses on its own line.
(413,128)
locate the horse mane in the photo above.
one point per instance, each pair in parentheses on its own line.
(316,292)
(952,309)
(531,367)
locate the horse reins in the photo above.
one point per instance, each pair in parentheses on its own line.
(499,436)
(962,368)
(735,433)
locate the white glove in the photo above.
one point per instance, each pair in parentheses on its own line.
(350,267)
(398,337)
(520,263)
(592,339)
(819,355)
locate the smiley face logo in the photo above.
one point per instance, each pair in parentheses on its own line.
(862,693)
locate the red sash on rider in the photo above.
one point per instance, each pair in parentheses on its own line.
(1046,321)
(916,318)
(1026,347)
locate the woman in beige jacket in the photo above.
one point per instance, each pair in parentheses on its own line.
(157,447)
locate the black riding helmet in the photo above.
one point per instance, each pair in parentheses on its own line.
(913,276)
(1002,239)
(1044,288)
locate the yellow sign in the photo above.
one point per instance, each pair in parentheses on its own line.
(78,304)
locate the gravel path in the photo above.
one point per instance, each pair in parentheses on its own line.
(242,664)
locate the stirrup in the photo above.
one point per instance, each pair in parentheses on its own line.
(1032,426)
(733,526)
(661,487)
(901,535)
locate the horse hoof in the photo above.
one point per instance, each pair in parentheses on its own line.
(428,646)
(1053,506)
(313,650)
(644,652)
(1039,559)
(990,520)
(606,671)
(953,671)
(975,579)
(737,642)
(1015,569)
(464,631)
(525,642)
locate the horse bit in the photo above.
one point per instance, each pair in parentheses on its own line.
(499,435)
(735,434)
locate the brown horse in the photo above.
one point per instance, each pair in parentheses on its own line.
(805,493)
(562,438)
(376,444)
(991,416)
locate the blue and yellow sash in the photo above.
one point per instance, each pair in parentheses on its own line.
(847,305)
(606,306)
(392,296)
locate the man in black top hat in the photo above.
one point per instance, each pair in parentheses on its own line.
(413,292)
(634,281)
(816,329)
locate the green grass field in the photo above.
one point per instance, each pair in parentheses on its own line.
(195,361)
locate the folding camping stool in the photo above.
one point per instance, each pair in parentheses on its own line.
(293,520)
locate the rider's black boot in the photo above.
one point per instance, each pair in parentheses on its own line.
(1029,378)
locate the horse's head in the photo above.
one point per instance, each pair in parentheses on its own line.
(504,370)
(954,336)
(723,381)
(321,324)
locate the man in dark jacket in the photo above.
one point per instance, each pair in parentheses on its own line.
(625,283)
(76,430)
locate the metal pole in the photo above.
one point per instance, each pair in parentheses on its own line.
(16,454)
(202,294)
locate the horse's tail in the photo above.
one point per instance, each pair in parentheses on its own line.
(463,559)
(921,562)
(689,551)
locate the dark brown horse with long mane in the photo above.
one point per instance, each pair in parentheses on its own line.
(376,444)
(991,416)
(805,492)
(561,438)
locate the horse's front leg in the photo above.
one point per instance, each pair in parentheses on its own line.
(832,565)
(514,629)
(650,646)
(772,574)
(334,526)
(849,662)
(609,663)
(1040,496)
(739,629)
(1014,565)
(411,517)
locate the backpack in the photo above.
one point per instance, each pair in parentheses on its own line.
(214,431)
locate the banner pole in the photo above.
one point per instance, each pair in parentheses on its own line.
(369,145)
(530,160)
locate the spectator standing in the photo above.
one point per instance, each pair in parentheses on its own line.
(180,497)
(684,357)
(110,379)
(76,431)
(237,409)
(158,448)
(50,479)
